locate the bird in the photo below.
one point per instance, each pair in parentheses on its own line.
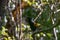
(33,25)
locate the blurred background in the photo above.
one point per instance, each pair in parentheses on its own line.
(29,19)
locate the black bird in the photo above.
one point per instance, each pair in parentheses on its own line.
(32,24)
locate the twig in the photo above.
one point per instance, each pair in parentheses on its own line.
(38,15)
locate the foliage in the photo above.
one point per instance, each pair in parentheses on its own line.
(47,19)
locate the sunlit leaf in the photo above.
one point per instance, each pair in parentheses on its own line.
(49,34)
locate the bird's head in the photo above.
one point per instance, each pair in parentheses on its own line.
(29,19)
